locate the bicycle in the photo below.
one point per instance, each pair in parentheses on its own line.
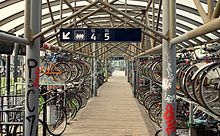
(60,71)
(57,121)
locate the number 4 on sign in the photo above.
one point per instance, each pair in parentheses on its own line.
(93,36)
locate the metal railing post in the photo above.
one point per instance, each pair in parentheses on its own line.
(94,71)
(7,84)
(134,77)
(95,76)
(15,72)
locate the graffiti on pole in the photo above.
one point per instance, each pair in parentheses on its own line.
(170,120)
(167,82)
(31,91)
(37,74)
(169,98)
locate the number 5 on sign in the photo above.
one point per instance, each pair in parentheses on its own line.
(93,36)
(107,37)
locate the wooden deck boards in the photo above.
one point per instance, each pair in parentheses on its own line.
(114,112)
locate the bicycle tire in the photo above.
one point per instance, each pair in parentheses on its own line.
(151,112)
(140,96)
(156,73)
(158,117)
(66,68)
(71,110)
(87,90)
(187,83)
(181,76)
(53,129)
(158,133)
(196,83)
(83,98)
(74,70)
(206,86)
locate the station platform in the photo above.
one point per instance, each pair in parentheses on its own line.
(114,112)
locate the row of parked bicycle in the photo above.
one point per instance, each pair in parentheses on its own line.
(58,104)
(198,79)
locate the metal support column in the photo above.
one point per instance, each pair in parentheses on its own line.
(91,62)
(8,60)
(106,70)
(94,71)
(134,77)
(7,84)
(128,71)
(15,72)
(137,76)
(169,70)
(32,68)
(94,76)
(190,118)
(15,61)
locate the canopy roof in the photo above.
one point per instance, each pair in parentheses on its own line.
(187,17)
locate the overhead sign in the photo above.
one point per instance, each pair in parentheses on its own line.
(117,58)
(100,35)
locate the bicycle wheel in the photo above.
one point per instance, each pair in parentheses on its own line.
(71,110)
(156,73)
(196,83)
(74,70)
(57,125)
(83,98)
(152,108)
(158,133)
(187,82)
(140,94)
(72,96)
(150,99)
(158,117)
(63,72)
(147,69)
(209,88)
(77,101)
(87,90)
(87,67)
(181,75)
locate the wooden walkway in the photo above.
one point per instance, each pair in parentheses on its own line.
(114,112)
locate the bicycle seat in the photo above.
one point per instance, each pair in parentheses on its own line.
(212,48)
(213,121)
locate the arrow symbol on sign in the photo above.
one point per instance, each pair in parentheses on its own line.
(66,35)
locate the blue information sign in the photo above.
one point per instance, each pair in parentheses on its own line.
(100,34)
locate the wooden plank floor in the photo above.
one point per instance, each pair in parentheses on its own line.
(114,112)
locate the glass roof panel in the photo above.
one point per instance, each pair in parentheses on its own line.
(13,9)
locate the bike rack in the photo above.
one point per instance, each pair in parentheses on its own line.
(194,104)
